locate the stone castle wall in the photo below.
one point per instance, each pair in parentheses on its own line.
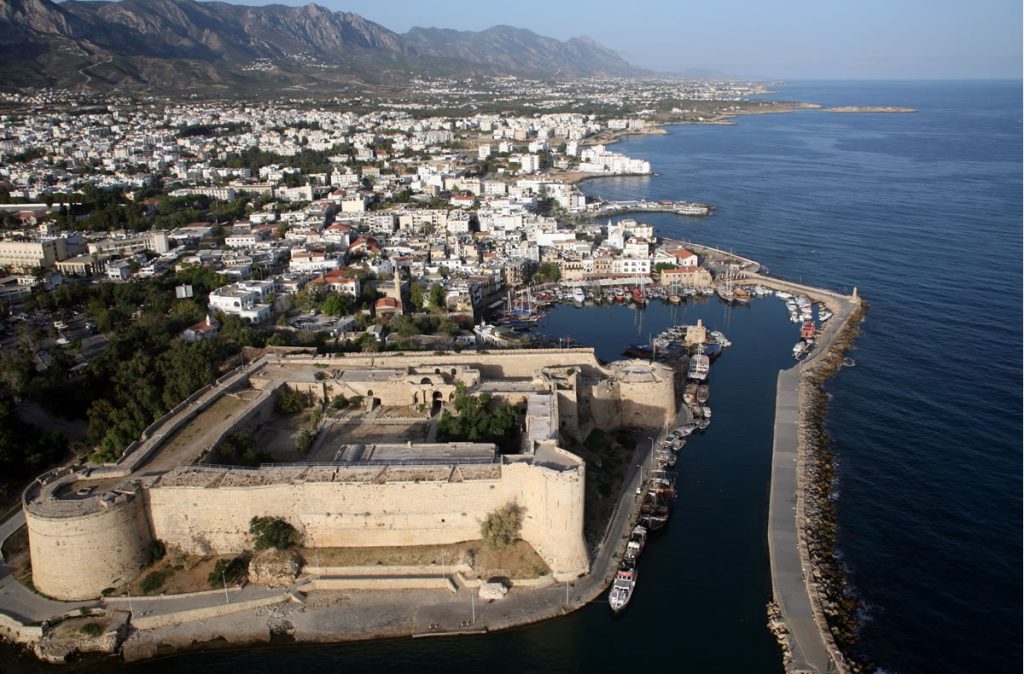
(78,557)
(415,506)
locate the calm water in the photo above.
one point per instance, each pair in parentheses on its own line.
(922,212)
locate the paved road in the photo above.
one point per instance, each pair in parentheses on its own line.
(18,601)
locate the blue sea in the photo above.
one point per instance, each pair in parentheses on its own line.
(922,213)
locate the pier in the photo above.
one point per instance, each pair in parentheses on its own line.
(794,582)
(613,208)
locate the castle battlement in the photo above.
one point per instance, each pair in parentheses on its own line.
(90,530)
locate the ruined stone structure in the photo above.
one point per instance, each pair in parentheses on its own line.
(91,530)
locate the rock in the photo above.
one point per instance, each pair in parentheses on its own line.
(275,568)
(491,591)
(66,639)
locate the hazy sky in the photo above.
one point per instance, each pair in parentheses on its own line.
(784,39)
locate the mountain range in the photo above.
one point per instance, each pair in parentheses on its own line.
(185,46)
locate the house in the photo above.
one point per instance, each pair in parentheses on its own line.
(387,306)
(205,329)
(683,257)
(686,277)
(340,281)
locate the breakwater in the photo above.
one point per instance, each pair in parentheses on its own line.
(812,614)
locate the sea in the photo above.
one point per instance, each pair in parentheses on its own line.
(921,212)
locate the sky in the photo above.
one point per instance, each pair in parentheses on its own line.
(762,39)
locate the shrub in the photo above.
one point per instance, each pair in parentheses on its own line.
(92,629)
(156,551)
(271,532)
(500,529)
(153,581)
(339,402)
(304,440)
(239,449)
(230,571)
(290,401)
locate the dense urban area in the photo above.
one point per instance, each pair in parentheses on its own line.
(146,242)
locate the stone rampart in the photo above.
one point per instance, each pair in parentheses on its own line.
(78,557)
(376,506)
(497,364)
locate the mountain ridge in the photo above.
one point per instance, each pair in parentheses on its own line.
(184,45)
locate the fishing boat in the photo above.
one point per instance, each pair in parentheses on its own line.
(622,587)
(713,350)
(638,351)
(665,458)
(703,393)
(637,295)
(637,542)
(699,366)
(578,295)
(655,510)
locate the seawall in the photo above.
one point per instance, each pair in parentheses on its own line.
(797,586)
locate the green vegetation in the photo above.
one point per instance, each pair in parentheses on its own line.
(336,304)
(662,266)
(500,529)
(153,581)
(547,272)
(239,449)
(25,449)
(272,532)
(228,572)
(289,401)
(304,440)
(479,419)
(91,629)
(437,296)
(157,551)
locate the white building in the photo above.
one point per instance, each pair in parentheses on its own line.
(312,261)
(244,299)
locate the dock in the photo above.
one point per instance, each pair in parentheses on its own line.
(613,208)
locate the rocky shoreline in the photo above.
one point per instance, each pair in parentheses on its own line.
(817,490)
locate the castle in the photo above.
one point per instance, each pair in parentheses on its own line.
(91,529)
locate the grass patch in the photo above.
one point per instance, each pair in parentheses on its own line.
(153,581)
(91,629)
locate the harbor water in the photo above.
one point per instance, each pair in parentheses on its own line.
(920,211)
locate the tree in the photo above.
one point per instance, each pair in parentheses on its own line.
(226,571)
(290,401)
(437,296)
(417,293)
(500,529)
(272,532)
(336,304)
(478,419)
(304,441)
(548,272)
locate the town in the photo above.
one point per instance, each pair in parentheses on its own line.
(312,223)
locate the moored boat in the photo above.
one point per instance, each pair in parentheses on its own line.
(623,586)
